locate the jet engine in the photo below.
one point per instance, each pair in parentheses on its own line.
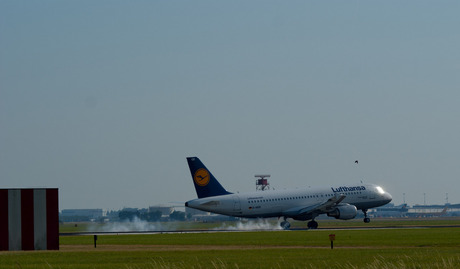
(345,211)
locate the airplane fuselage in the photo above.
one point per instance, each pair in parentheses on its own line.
(341,202)
(263,204)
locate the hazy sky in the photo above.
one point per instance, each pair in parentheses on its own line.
(106,99)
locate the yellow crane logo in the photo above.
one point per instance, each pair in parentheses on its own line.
(201,177)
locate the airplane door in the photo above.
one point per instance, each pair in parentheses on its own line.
(236,203)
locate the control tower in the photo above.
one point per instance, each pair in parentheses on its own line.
(262,182)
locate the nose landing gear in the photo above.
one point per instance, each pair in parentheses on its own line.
(366,219)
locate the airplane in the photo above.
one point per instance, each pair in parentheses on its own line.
(427,214)
(391,211)
(341,202)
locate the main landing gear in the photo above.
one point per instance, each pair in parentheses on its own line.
(312,224)
(285,224)
(366,219)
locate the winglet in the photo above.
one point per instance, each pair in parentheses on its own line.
(206,184)
(341,197)
(331,202)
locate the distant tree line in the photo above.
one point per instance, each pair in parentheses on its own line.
(74,218)
(125,215)
(132,215)
(129,215)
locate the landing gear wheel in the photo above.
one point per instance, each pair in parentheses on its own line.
(312,224)
(366,219)
(285,225)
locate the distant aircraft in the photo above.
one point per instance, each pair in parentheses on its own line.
(391,211)
(427,214)
(341,202)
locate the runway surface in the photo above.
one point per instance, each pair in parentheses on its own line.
(254,230)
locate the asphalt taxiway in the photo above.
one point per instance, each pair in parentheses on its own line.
(254,230)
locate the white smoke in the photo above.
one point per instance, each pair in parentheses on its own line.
(136,225)
(251,225)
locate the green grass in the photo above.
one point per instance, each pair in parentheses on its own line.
(435,237)
(247,258)
(381,248)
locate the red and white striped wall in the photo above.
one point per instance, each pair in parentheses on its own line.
(29,219)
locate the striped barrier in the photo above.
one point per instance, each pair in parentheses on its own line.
(29,219)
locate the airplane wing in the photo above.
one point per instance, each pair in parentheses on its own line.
(318,208)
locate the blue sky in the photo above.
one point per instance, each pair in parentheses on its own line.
(106,99)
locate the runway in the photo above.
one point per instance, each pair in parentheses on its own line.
(253,230)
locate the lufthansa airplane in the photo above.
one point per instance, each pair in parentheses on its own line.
(342,202)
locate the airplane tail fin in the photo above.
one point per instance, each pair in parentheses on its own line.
(444,211)
(205,183)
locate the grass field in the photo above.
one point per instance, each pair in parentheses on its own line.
(381,248)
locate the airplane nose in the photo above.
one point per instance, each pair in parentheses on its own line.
(388,197)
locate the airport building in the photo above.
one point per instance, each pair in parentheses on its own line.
(416,211)
(87,213)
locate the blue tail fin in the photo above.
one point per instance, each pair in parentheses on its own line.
(205,183)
